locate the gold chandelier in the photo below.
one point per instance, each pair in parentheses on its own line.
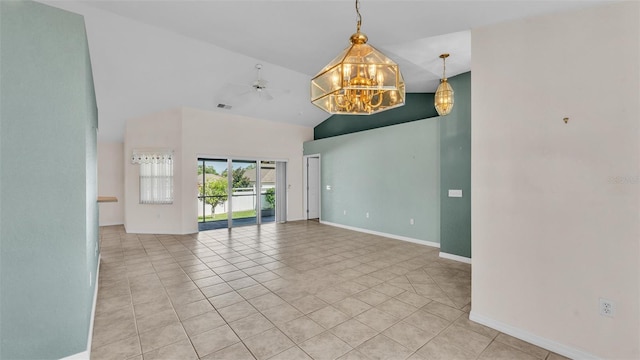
(361,80)
(443,99)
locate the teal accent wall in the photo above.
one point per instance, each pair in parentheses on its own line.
(391,172)
(455,171)
(394,170)
(417,106)
(48,212)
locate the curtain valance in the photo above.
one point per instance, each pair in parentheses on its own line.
(158,156)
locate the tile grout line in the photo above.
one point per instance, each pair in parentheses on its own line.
(247,248)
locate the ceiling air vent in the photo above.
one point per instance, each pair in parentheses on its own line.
(224,106)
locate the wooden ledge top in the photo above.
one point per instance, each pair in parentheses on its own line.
(103,199)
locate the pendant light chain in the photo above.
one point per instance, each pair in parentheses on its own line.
(444,67)
(359,16)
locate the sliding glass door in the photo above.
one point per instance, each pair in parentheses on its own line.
(234,192)
(244,200)
(213,185)
(267,191)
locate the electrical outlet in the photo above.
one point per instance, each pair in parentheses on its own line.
(607,308)
(367,215)
(411,221)
(344,212)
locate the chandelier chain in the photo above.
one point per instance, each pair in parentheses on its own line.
(358,13)
(444,67)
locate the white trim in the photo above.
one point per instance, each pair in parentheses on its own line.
(135,230)
(258,190)
(95,301)
(286,192)
(540,341)
(86,355)
(230,159)
(305,182)
(112,224)
(392,236)
(463,259)
(237,158)
(305,185)
(229,193)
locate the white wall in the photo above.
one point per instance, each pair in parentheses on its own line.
(111,182)
(556,206)
(216,134)
(156,131)
(196,133)
(141,69)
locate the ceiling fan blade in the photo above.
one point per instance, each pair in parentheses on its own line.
(265,95)
(235,88)
(231,92)
(237,94)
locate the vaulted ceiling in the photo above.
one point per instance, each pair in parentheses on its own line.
(148,56)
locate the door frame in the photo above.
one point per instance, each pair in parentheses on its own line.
(305,185)
(230,159)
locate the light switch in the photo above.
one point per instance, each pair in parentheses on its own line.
(328,187)
(455,193)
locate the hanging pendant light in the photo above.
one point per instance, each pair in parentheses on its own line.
(359,81)
(443,99)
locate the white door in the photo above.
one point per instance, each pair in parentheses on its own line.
(313,188)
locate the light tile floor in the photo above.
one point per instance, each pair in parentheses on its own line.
(300,290)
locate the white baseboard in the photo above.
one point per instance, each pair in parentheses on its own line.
(392,236)
(86,355)
(109,223)
(162,232)
(532,338)
(93,308)
(463,259)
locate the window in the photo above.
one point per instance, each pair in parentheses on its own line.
(156,176)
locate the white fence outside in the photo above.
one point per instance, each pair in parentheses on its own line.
(243,199)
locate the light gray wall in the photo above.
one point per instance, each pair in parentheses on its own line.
(48,212)
(555,206)
(393,173)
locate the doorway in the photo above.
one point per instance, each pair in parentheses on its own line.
(312,186)
(213,194)
(238,192)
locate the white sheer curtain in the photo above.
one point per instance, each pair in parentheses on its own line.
(156,175)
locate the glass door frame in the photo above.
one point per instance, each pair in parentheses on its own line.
(202,192)
(231,193)
(258,184)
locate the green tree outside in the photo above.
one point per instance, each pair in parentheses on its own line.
(270,198)
(207,170)
(239,179)
(215,192)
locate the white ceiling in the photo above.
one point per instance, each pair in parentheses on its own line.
(137,50)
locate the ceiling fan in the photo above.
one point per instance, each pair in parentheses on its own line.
(259,90)
(260,86)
